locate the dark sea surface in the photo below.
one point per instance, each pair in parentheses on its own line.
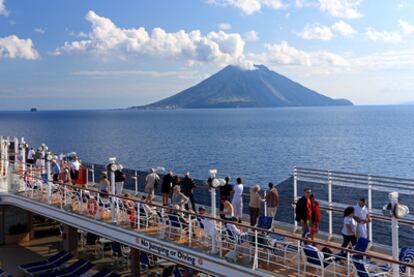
(261,145)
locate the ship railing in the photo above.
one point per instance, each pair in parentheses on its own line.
(261,249)
(368,184)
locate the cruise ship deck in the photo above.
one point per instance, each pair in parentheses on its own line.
(205,243)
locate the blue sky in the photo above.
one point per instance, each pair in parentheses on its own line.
(108,54)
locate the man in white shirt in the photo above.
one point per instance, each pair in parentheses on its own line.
(150,181)
(237,200)
(74,169)
(362,218)
(30,156)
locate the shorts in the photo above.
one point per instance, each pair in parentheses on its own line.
(74,175)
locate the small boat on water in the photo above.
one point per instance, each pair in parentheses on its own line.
(33,110)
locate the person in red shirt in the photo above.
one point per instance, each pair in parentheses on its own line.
(315,216)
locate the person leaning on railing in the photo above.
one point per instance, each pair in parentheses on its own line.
(303,211)
(272,200)
(254,204)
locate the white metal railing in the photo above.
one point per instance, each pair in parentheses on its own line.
(261,248)
(264,249)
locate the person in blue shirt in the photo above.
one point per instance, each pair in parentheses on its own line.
(55,171)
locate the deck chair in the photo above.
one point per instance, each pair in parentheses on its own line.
(48,267)
(2,273)
(102,273)
(265,222)
(364,270)
(49,260)
(113,274)
(72,270)
(406,255)
(175,224)
(362,245)
(145,216)
(231,237)
(277,243)
(312,257)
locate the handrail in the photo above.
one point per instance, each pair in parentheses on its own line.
(292,237)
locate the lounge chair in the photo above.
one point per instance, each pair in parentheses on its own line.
(312,257)
(113,274)
(265,222)
(80,271)
(49,260)
(48,267)
(69,270)
(102,273)
(406,255)
(364,269)
(175,224)
(2,273)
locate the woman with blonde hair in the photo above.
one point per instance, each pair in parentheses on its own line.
(254,204)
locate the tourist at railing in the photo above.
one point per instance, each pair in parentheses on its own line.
(272,200)
(178,198)
(237,200)
(187,187)
(362,218)
(254,204)
(74,169)
(225,192)
(119,180)
(30,156)
(349,228)
(315,217)
(104,185)
(55,171)
(303,211)
(150,183)
(228,211)
(167,183)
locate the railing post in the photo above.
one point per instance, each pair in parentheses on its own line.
(265,203)
(23,154)
(256,251)
(136,182)
(190,230)
(330,205)
(295,195)
(393,196)
(299,257)
(16,152)
(370,207)
(139,215)
(113,199)
(213,214)
(49,184)
(348,264)
(93,174)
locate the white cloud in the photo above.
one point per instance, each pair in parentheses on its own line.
(251,35)
(322,32)
(224,26)
(343,29)
(3,9)
(13,47)
(284,54)
(341,8)
(316,31)
(40,30)
(347,9)
(406,30)
(249,6)
(219,48)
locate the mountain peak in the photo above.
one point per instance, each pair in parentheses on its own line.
(234,87)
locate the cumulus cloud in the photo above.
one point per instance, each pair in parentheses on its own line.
(284,54)
(251,35)
(40,30)
(343,29)
(13,47)
(406,30)
(347,9)
(249,6)
(3,9)
(219,48)
(224,26)
(322,32)
(316,31)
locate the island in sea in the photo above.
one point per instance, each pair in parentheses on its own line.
(234,87)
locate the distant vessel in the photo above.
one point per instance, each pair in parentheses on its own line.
(33,110)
